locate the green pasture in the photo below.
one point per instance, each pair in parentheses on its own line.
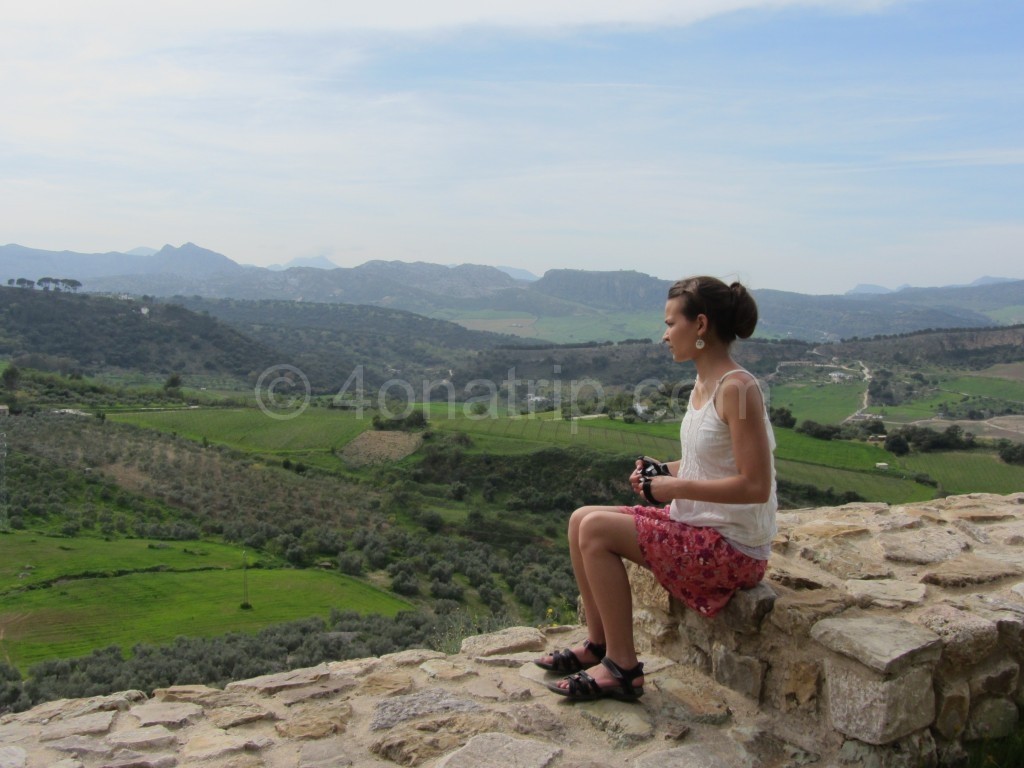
(842,454)
(985,386)
(967,472)
(823,402)
(30,559)
(78,616)
(874,485)
(610,325)
(250,429)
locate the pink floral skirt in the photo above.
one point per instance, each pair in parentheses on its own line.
(696,565)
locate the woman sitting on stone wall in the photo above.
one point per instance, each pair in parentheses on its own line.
(711,517)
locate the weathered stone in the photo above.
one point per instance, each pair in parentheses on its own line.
(13,757)
(744,674)
(410,744)
(624,722)
(886,645)
(511,660)
(98,722)
(917,750)
(412,657)
(431,701)
(149,737)
(689,756)
(796,612)
(924,546)
(697,705)
(271,684)
(797,684)
(646,589)
(512,640)
(315,721)
(171,714)
(966,638)
(119,702)
(972,531)
(83,746)
(321,689)
(952,706)
(386,684)
(869,707)
(885,593)
(443,669)
(189,693)
(69,762)
(796,575)
(995,677)
(994,718)
(969,569)
(231,716)
(325,753)
(495,750)
(496,689)
(216,744)
(134,760)
(536,720)
(748,608)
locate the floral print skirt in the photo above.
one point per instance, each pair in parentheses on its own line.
(696,565)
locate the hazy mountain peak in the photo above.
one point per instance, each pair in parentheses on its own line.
(309,262)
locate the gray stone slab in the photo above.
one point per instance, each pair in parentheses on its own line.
(875,709)
(96,723)
(431,701)
(885,644)
(511,640)
(497,750)
(13,757)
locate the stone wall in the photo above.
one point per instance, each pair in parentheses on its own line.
(879,630)
(883,638)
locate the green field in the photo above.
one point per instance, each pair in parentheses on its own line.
(962,472)
(873,485)
(251,430)
(28,559)
(823,402)
(77,616)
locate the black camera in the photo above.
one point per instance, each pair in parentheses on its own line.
(652,467)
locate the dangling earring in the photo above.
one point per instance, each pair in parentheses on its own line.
(699,343)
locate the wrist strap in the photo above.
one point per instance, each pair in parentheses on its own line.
(646,487)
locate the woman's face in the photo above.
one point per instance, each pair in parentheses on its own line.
(681,333)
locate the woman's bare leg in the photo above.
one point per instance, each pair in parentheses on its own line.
(602,537)
(595,626)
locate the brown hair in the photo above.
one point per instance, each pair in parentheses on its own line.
(730,309)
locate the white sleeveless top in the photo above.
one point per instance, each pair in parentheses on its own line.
(707,455)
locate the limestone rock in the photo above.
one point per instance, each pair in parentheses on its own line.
(886,645)
(885,593)
(495,750)
(512,640)
(994,718)
(432,701)
(170,714)
(878,709)
(271,684)
(928,545)
(149,737)
(624,722)
(969,570)
(13,757)
(966,638)
(98,722)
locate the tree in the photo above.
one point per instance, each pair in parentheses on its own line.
(11,377)
(897,445)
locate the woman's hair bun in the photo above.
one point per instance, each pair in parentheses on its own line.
(744,311)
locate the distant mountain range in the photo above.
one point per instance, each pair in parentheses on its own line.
(435,290)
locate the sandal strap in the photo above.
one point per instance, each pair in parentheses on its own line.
(624,677)
(582,684)
(598,649)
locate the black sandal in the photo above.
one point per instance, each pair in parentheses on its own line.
(582,687)
(567,661)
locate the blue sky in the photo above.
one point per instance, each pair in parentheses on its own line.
(804,146)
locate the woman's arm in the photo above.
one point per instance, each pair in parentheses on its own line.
(740,403)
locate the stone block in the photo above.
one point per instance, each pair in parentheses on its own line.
(952,707)
(885,644)
(511,640)
(966,638)
(993,718)
(794,614)
(499,750)
(744,674)
(795,685)
(997,676)
(647,590)
(875,708)
(747,609)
